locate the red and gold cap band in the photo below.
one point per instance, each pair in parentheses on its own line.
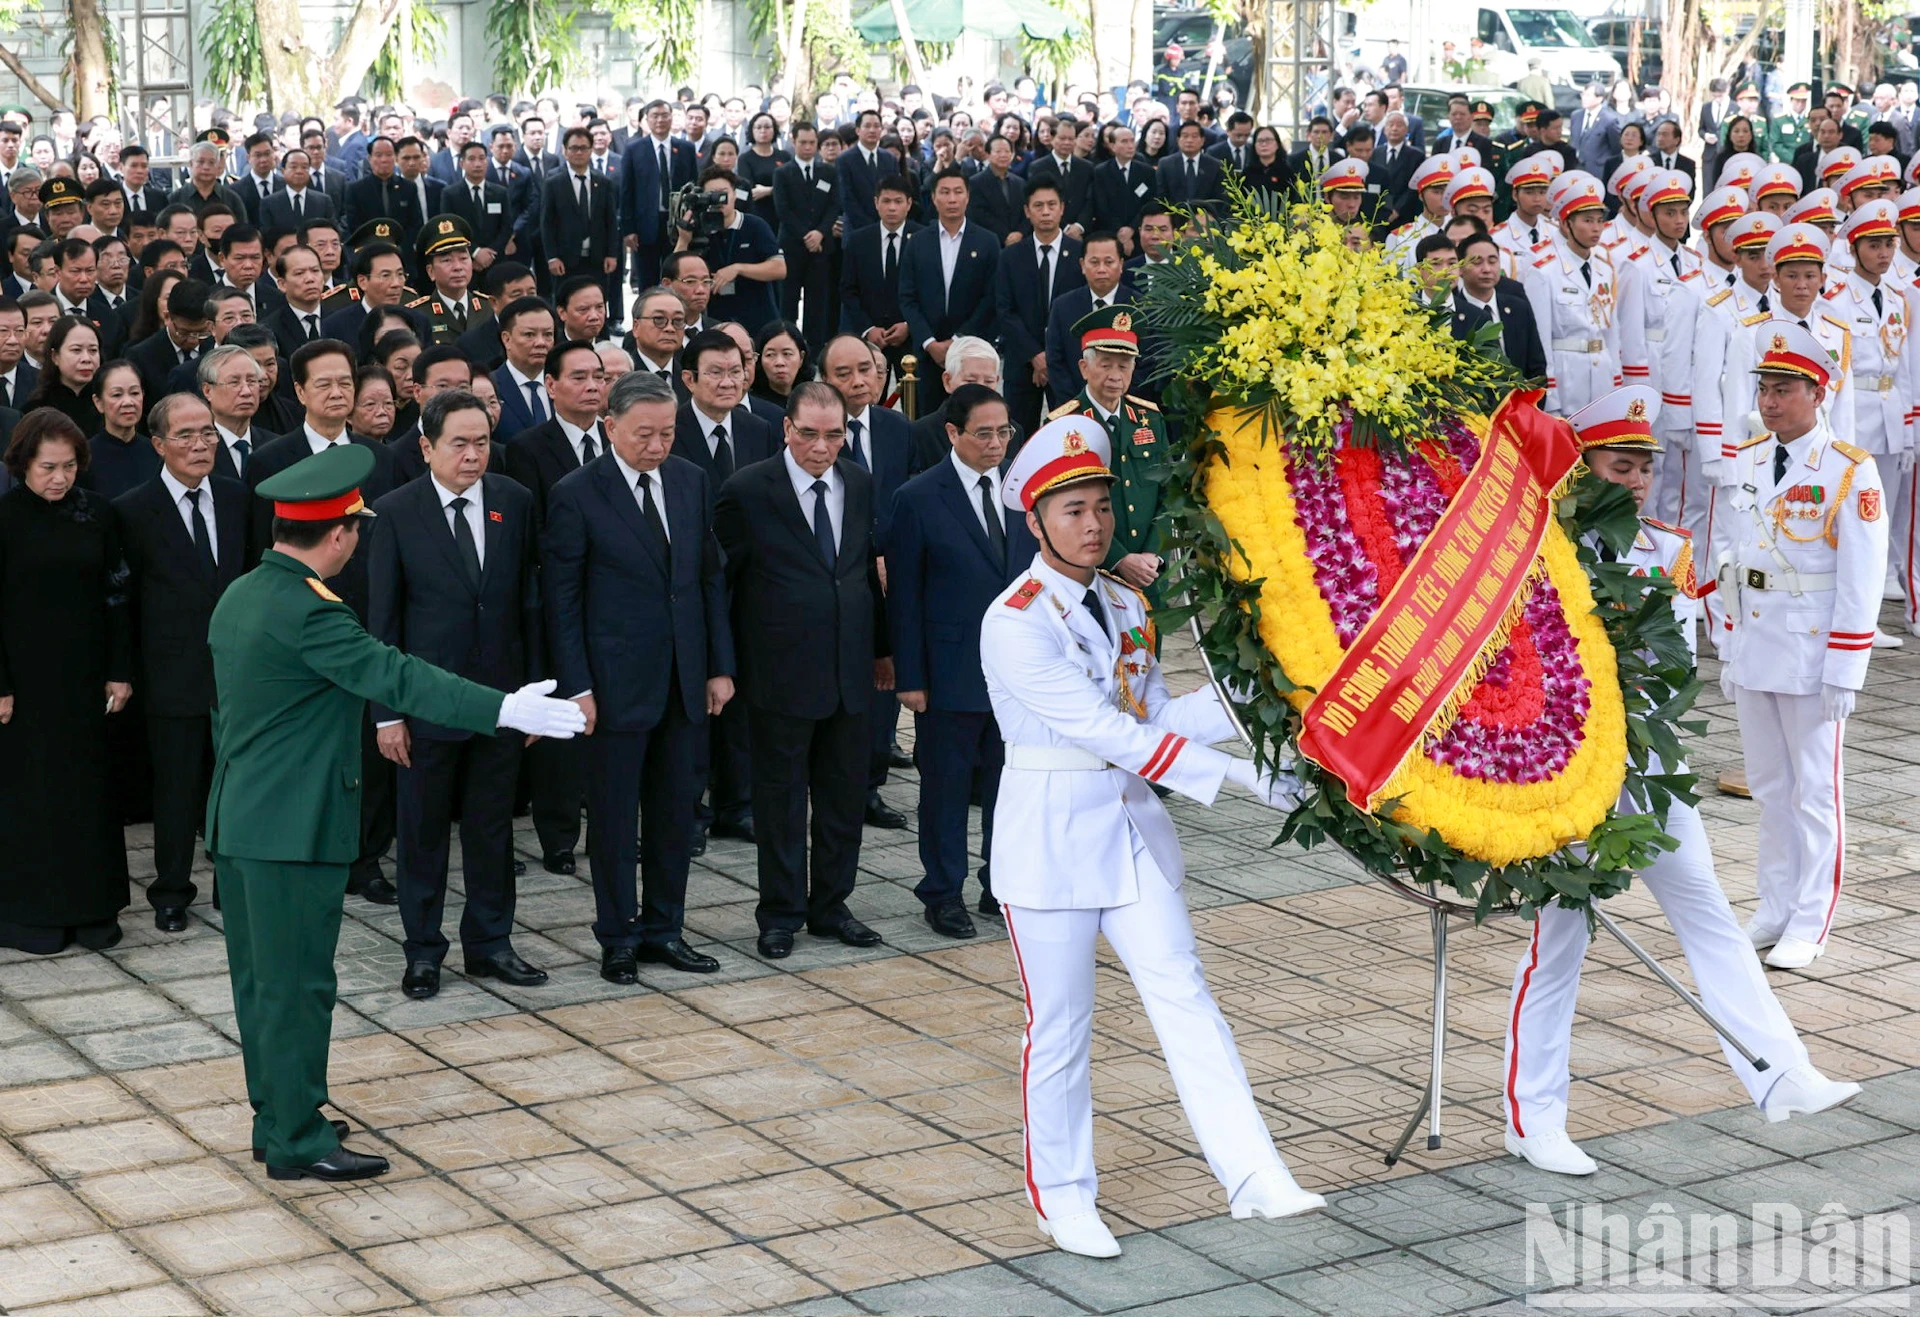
(326,509)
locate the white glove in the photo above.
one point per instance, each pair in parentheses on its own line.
(1906,460)
(1275,790)
(532,710)
(1836,703)
(1726,681)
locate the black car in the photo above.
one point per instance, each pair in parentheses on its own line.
(1193,29)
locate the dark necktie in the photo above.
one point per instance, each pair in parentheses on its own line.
(853,442)
(666,178)
(1586,272)
(463,545)
(534,405)
(823,525)
(1804,325)
(893,256)
(1879,308)
(1607,553)
(1780,457)
(312,322)
(1763,304)
(266,189)
(202,538)
(1046,274)
(806,175)
(1533,235)
(6,394)
(1091,602)
(996,525)
(1193,179)
(650,513)
(722,452)
(243,450)
(299,205)
(580,193)
(588,449)
(478,204)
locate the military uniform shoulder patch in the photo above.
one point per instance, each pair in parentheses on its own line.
(1028,592)
(1848,451)
(1064,409)
(1840,325)
(319,587)
(1758,317)
(1544,261)
(1869,505)
(418,301)
(1124,584)
(1682,532)
(1834,291)
(1720,297)
(1142,402)
(1690,274)
(1751,443)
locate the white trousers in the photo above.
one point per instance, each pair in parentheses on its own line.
(1680,490)
(1154,938)
(1901,542)
(1794,770)
(1725,969)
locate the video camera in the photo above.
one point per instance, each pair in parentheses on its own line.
(702,213)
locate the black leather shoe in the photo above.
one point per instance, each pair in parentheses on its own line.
(676,955)
(340,1164)
(380,891)
(950,920)
(339,1132)
(741,829)
(852,932)
(989,906)
(558,862)
(170,918)
(776,943)
(616,965)
(882,815)
(507,967)
(898,758)
(422,980)
(519,868)
(697,844)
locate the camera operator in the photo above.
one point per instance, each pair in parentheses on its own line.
(744,256)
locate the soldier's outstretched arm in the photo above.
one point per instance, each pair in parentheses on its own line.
(338,648)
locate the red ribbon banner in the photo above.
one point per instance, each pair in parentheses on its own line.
(1404,668)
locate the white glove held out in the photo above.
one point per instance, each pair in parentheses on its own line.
(533,710)
(1836,703)
(1726,681)
(1275,790)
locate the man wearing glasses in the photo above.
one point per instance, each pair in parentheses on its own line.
(659,328)
(184,534)
(745,259)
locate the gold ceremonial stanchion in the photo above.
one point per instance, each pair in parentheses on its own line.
(909,387)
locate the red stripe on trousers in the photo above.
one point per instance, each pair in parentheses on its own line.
(1513,1029)
(1026,1060)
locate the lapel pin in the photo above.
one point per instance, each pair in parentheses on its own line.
(495,516)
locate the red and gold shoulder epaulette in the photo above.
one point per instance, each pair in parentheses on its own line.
(319,587)
(419,301)
(1544,261)
(1690,274)
(1028,592)
(1682,532)
(1834,291)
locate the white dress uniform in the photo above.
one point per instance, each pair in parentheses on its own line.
(1800,588)
(1573,300)
(1546,982)
(1519,239)
(1083,848)
(1434,171)
(1660,299)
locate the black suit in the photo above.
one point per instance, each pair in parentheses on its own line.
(857,180)
(1076,186)
(1119,195)
(939,311)
(155,358)
(249,189)
(289,334)
(638,616)
(1301,161)
(1395,177)
(997,205)
(809,720)
(389,198)
(256,437)
(276,212)
(1206,187)
(153,199)
(481,621)
(1021,304)
(581,241)
(804,207)
(1519,334)
(491,222)
(173,595)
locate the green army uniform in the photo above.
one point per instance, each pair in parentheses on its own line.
(293,671)
(445,319)
(1788,134)
(1138,433)
(1859,118)
(339,299)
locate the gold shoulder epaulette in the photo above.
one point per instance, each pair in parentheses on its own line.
(1681,531)
(1837,324)
(1741,448)
(1124,584)
(1848,451)
(1064,409)
(319,587)
(1720,297)
(1758,317)
(1142,402)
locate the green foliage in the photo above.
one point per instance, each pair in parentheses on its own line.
(235,67)
(532,42)
(665,33)
(418,32)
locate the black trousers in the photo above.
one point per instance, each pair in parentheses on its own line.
(723,768)
(182,750)
(809,273)
(883,722)
(641,790)
(376,808)
(954,751)
(557,771)
(1026,401)
(799,762)
(477,775)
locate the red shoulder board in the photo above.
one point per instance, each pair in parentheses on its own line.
(1681,531)
(1028,592)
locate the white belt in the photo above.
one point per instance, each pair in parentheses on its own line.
(1752,578)
(1579,345)
(1055,759)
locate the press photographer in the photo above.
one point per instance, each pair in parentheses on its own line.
(740,249)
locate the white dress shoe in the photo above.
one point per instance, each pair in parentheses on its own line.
(1884,640)
(1760,937)
(1273,1193)
(1795,953)
(1083,1233)
(1803,1091)
(1552,1150)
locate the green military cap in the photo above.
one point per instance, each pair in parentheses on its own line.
(1747,89)
(443,233)
(1109,329)
(61,192)
(1526,111)
(1482,110)
(323,487)
(1800,89)
(218,136)
(375,230)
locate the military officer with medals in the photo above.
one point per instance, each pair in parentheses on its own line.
(1800,584)
(1617,438)
(1571,287)
(1068,654)
(1659,300)
(1110,351)
(452,305)
(1789,131)
(293,671)
(1525,232)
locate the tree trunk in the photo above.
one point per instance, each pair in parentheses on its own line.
(794,62)
(92,77)
(1682,46)
(1140,58)
(296,71)
(366,32)
(36,88)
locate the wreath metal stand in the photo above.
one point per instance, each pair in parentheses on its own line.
(1439,910)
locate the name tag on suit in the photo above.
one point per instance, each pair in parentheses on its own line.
(493,208)
(821,185)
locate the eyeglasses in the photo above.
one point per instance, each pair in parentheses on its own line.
(666,322)
(696,281)
(723,375)
(206,438)
(985,433)
(820,436)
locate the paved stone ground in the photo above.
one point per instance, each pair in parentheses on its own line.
(839,1133)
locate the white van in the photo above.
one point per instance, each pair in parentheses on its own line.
(1514,34)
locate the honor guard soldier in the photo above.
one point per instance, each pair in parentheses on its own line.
(1429,185)
(1723,396)
(1625,226)
(1740,170)
(1660,298)
(1718,264)
(1110,351)
(1789,131)
(1800,587)
(1524,233)
(1906,258)
(1616,434)
(445,248)
(1775,188)
(1834,165)
(1082,847)
(293,671)
(1344,188)
(1571,287)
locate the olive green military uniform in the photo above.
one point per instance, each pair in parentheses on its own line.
(441,320)
(293,671)
(1138,433)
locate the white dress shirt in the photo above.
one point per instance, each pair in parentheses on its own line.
(575,434)
(803,490)
(318,442)
(471,512)
(1492,310)
(970,483)
(228,439)
(520,383)
(633,477)
(707,424)
(181,504)
(950,248)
